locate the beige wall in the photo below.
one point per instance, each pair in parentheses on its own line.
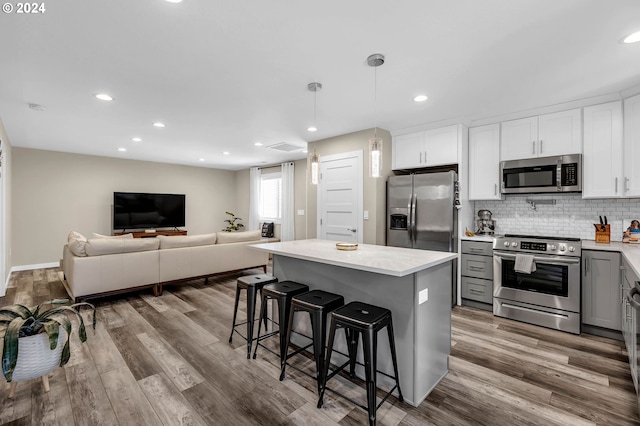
(374,197)
(56,193)
(5,203)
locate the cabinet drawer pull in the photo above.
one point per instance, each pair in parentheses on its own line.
(475,268)
(533,151)
(495,189)
(477,250)
(476,291)
(540,146)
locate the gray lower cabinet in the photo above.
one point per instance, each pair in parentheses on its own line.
(476,283)
(601,295)
(628,319)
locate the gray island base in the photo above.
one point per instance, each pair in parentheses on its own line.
(414,284)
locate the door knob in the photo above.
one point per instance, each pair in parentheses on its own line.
(351,229)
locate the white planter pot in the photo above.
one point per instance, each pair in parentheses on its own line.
(35,359)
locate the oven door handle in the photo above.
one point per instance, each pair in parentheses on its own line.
(547,260)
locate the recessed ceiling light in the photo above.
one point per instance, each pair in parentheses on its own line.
(201,159)
(258,144)
(104,97)
(173,1)
(158,124)
(632,38)
(136,139)
(312,129)
(122,149)
(225,153)
(420,98)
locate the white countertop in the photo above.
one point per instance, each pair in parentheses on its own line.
(631,252)
(386,260)
(483,238)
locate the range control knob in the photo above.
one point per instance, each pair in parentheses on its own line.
(572,249)
(514,244)
(562,247)
(552,247)
(506,244)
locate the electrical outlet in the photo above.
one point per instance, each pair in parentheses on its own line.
(300,212)
(423,296)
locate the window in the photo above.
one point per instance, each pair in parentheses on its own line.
(270,207)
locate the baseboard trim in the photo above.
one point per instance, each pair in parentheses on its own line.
(35,266)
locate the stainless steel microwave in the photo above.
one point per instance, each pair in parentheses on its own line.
(562,173)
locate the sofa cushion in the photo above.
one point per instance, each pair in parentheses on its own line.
(77,242)
(237,237)
(94,235)
(102,246)
(176,241)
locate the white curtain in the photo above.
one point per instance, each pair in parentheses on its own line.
(287,231)
(254,199)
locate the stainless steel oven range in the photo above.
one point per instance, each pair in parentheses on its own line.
(548,296)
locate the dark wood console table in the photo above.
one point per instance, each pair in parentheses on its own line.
(143,234)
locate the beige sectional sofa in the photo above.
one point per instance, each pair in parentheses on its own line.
(101,265)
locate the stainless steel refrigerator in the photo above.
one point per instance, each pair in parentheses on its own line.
(422,213)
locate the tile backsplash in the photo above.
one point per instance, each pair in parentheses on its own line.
(571,216)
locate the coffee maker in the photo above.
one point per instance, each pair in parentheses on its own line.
(484,223)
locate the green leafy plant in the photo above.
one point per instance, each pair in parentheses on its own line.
(232,221)
(21,321)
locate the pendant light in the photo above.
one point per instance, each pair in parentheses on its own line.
(314,159)
(314,87)
(375,143)
(314,162)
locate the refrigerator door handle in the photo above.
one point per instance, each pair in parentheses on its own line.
(414,228)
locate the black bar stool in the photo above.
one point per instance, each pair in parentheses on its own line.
(282,292)
(356,318)
(253,284)
(319,304)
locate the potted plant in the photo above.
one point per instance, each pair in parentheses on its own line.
(233,225)
(36,340)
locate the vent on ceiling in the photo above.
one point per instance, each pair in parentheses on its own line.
(286,147)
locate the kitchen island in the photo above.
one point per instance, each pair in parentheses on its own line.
(414,284)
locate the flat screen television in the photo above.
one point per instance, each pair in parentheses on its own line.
(134,210)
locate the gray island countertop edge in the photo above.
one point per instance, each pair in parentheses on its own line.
(395,261)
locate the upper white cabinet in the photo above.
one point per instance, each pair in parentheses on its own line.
(427,148)
(484,162)
(550,134)
(602,151)
(631,146)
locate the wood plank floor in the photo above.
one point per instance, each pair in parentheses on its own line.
(167,361)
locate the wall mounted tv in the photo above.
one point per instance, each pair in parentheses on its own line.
(134,210)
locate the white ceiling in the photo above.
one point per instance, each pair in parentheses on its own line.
(225,74)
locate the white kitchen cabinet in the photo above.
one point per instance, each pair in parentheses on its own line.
(631,147)
(428,148)
(519,139)
(484,162)
(559,133)
(408,150)
(602,158)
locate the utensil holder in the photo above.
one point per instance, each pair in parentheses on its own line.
(603,236)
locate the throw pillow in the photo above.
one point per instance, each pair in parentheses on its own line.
(102,246)
(94,235)
(237,237)
(169,242)
(77,243)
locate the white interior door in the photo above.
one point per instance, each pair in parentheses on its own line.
(340,197)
